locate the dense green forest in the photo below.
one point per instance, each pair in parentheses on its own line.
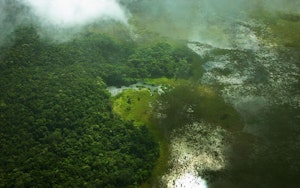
(57,125)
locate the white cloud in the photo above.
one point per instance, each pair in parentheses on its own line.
(70,13)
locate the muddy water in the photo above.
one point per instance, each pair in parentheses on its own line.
(117,90)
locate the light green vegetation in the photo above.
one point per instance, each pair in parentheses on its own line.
(162,81)
(282,28)
(286,30)
(134,105)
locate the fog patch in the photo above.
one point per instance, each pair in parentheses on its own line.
(12,15)
(70,13)
(211,22)
(58,20)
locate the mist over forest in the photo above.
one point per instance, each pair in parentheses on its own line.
(140,93)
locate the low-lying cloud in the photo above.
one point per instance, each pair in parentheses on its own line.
(57,19)
(209,21)
(72,13)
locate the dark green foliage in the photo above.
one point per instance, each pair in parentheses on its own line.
(56,124)
(119,62)
(158,60)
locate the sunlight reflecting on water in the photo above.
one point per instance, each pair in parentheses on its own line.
(189,180)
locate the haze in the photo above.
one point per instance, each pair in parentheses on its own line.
(76,12)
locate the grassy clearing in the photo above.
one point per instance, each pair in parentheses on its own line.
(161,81)
(134,105)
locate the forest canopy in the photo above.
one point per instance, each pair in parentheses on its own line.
(57,124)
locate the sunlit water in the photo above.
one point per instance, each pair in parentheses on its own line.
(195,148)
(113,90)
(189,180)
